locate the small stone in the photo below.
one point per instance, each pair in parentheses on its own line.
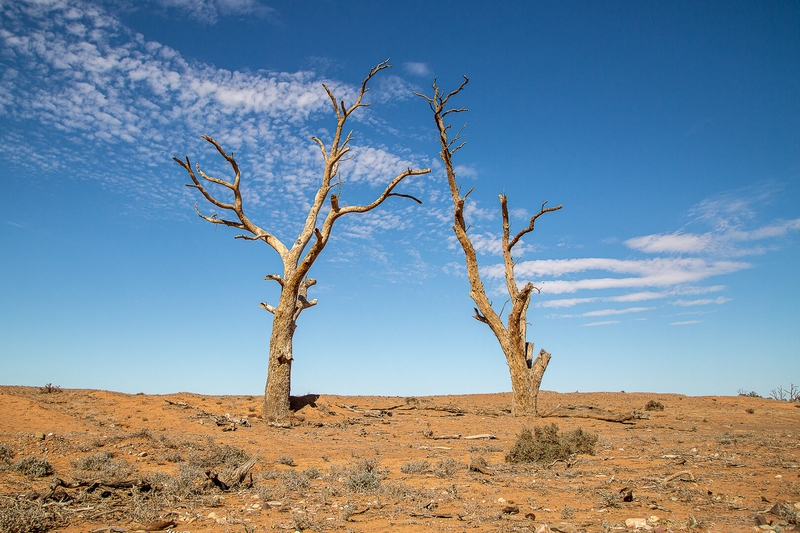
(544,528)
(510,509)
(38,436)
(530,516)
(778,476)
(501,501)
(142,454)
(653,519)
(563,527)
(635,523)
(212,515)
(765,527)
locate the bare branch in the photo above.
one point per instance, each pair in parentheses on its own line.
(529,229)
(236,207)
(274,277)
(405,196)
(267,307)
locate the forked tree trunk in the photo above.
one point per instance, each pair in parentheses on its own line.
(297,259)
(526,374)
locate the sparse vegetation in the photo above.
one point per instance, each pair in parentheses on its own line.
(286,460)
(33,467)
(415,467)
(6,453)
(792,394)
(364,476)
(654,405)
(751,394)
(24,516)
(50,389)
(100,466)
(546,444)
(447,467)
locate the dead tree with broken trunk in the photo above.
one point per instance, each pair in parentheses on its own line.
(298,258)
(526,372)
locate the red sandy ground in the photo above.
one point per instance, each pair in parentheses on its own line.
(742,455)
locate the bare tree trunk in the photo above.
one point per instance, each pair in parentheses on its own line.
(297,259)
(279,368)
(526,374)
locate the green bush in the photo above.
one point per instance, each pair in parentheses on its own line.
(546,444)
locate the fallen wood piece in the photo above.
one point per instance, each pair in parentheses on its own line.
(587,411)
(447,437)
(430,515)
(158,525)
(237,476)
(115,529)
(479,464)
(677,475)
(487,436)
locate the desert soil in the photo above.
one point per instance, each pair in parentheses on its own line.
(375,464)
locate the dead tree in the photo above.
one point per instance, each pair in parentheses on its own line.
(305,249)
(526,373)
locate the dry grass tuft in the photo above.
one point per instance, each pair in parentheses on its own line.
(546,444)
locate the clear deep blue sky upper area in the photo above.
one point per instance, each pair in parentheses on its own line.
(669,131)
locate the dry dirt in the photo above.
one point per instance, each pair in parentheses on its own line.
(374,464)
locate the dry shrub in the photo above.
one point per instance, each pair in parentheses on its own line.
(653,405)
(415,467)
(286,460)
(215,456)
(6,453)
(446,467)
(101,466)
(24,516)
(364,476)
(546,444)
(33,467)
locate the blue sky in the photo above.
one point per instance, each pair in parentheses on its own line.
(669,131)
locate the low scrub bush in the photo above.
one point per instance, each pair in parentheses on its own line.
(546,444)
(415,467)
(33,467)
(654,405)
(101,466)
(364,476)
(24,516)
(6,453)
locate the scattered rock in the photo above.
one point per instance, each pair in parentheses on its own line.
(38,436)
(544,528)
(530,516)
(511,509)
(636,523)
(142,454)
(628,496)
(563,527)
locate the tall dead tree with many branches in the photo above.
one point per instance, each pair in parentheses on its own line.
(526,373)
(305,249)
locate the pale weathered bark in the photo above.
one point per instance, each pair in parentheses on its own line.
(526,373)
(297,259)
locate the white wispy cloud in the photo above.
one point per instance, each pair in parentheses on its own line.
(210,11)
(418,69)
(703,301)
(685,323)
(733,232)
(660,272)
(600,323)
(124,105)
